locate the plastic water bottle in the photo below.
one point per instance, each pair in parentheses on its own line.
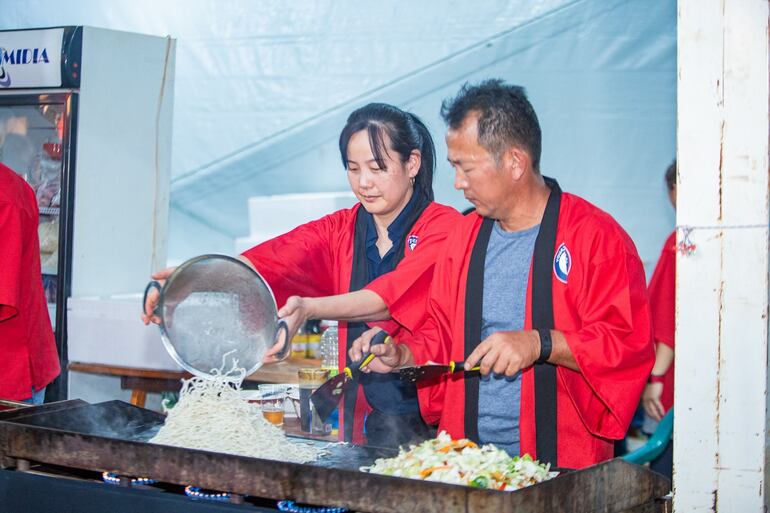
(329,352)
(329,349)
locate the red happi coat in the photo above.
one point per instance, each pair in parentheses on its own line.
(29,360)
(316,260)
(601,307)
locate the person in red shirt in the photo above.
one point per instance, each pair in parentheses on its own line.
(658,397)
(396,228)
(28,357)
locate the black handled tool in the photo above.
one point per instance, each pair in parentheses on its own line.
(326,397)
(430,371)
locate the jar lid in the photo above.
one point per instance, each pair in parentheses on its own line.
(313,375)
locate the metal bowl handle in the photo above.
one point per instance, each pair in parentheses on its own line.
(152,285)
(283,353)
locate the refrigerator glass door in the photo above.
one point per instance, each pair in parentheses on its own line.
(31,139)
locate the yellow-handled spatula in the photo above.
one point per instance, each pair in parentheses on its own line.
(327,396)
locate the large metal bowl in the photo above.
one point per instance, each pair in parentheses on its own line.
(217,313)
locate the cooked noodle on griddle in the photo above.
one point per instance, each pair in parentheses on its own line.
(211,415)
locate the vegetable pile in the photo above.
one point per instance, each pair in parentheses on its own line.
(463,462)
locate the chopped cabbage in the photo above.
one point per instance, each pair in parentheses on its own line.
(463,462)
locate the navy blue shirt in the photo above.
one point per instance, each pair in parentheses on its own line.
(386,392)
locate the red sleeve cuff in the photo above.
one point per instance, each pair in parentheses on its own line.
(669,341)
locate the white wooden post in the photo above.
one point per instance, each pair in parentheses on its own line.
(720,435)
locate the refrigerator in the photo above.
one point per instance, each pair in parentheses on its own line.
(85,119)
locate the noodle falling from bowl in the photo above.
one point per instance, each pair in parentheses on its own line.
(211,415)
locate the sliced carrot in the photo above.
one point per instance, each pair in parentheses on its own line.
(428,471)
(465,443)
(457,445)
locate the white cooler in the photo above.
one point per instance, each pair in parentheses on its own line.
(110,332)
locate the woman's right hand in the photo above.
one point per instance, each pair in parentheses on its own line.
(154,296)
(389,356)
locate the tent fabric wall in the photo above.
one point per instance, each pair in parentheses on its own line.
(262,90)
(246,70)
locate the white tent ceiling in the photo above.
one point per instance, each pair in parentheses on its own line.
(247,69)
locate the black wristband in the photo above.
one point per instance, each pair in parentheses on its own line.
(545,345)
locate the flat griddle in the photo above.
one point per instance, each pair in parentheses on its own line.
(112,436)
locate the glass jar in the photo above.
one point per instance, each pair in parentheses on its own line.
(299,343)
(309,380)
(313,339)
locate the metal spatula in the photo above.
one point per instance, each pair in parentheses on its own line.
(326,397)
(430,371)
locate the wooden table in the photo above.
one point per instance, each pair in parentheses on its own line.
(291,426)
(142,381)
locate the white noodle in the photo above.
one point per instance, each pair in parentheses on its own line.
(211,415)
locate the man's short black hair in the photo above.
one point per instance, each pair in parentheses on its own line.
(506,118)
(671,176)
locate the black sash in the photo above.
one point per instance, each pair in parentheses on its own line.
(542,317)
(359,278)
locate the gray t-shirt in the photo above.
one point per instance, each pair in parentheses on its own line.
(506,273)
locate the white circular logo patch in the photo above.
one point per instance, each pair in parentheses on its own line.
(562,263)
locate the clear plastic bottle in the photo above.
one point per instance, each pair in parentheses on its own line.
(328,348)
(328,352)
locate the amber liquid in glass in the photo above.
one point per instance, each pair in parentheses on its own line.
(273,416)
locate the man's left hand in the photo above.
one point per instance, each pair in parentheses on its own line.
(505,352)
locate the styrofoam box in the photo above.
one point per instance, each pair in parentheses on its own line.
(270,216)
(110,332)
